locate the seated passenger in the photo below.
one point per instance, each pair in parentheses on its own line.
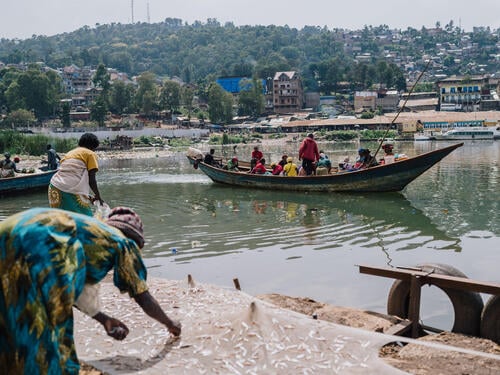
(389,156)
(290,169)
(260,167)
(346,164)
(324,165)
(283,161)
(232,165)
(8,167)
(209,158)
(277,169)
(256,156)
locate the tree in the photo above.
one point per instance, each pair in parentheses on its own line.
(146,93)
(65,115)
(98,110)
(33,90)
(251,98)
(220,104)
(121,99)
(20,118)
(187,96)
(170,96)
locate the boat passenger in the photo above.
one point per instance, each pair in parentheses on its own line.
(70,187)
(232,165)
(309,153)
(277,169)
(290,169)
(283,161)
(8,167)
(389,156)
(53,158)
(345,164)
(260,167)
(47,256)
(209,157)
(324,165)
(256,156)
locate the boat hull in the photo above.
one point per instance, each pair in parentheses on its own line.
(383,178)
(25,182)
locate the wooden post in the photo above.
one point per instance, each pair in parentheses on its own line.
(236,283)
(414,306)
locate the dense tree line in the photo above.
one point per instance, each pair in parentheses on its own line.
(194,52)
(200,52)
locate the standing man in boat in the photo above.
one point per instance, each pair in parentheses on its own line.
(256,156)
(52,158)
(309,153)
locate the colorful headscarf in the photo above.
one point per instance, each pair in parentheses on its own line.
(128,222)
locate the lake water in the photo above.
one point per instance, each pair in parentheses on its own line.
(309,244)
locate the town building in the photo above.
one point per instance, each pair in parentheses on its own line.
(288,93)
(462,93)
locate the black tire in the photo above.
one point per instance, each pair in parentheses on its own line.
(490,320)
(466,305)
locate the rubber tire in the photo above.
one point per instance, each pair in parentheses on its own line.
(490,320)
(466,305)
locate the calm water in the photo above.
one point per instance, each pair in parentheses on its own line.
(309,244)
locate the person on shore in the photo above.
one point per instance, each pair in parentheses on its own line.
(47,257)
(8,168)
(260,167)
(70,187)
(52,158)
(256,156)
(308,153)
(324,165)
(277,169)
(290,168)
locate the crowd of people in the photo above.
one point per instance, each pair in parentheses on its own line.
(313,161)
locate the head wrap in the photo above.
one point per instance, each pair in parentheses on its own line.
(128,222)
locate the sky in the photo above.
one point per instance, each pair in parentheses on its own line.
(25,18)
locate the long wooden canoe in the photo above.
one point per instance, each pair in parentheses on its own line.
(390,177)
(25,182)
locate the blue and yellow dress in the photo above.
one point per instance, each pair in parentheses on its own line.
(46,256)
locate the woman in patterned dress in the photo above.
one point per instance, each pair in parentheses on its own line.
(46,257)
(70,187)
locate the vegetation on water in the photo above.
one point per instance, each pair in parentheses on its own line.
(17,143)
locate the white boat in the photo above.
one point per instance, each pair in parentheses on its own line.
(424,137)
(469,133)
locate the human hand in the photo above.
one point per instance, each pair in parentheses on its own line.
(115,328)
(175,328)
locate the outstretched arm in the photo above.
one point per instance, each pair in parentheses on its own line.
(93,185)
(151,307)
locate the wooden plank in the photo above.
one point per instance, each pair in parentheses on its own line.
(444,281)
(414,305)
(398,329)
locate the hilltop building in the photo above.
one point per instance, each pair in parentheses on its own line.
(288,93)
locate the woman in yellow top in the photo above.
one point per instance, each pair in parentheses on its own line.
(290,169)
(70,188)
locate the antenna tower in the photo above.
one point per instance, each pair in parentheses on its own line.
(132,9)
(149,19)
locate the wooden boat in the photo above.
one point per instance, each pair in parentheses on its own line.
(381,178)
(25,182)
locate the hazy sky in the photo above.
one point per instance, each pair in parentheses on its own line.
(24,18)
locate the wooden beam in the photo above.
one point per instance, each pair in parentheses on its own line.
(444,281)
(398,329)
